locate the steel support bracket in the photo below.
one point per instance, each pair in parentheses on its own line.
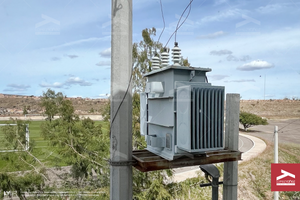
(122,163)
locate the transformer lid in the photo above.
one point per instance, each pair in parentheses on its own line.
(177,67)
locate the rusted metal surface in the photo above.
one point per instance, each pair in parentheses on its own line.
(147,161)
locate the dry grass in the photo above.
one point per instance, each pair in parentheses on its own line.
(255,174)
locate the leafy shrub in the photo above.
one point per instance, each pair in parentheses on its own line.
(249,119)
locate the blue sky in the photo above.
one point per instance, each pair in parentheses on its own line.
(251,46)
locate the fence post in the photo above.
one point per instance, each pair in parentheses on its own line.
(276,194)
(230,179)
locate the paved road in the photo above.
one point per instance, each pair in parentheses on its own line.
(289,131)
(245,144)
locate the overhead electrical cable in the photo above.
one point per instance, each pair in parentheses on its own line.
(163,18)
(114,117)
(178,27)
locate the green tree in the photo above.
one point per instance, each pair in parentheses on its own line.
(91,110)
(25,112)
(51,101)
(138,141)
(142,54)
(81,143)
(15,135)
(185,62)
(105,111)
(248,120)
(29,180)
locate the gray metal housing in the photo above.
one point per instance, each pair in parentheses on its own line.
(181,114)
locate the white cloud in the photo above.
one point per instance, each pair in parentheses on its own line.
(241,80)
(232,58)
(221,16)
(255,65)
(217,77)
(219,2)
(70,75)
(106,53)
(276,8)
(72,80)
(271,8)
(245,58)
(79,42)
(212,35)
(16,88)
(72,56)
(55,58)
(103,63)
(220,52)
(53,85)
(104,95)
(77,80)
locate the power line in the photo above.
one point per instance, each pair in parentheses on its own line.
(178,27)
(163,18)
(288,124)
(114,117)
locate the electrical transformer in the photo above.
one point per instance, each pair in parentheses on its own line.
(181,113)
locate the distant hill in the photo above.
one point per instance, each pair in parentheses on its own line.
(272,109)
(13,105)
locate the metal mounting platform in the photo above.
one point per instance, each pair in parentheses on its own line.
(147,161)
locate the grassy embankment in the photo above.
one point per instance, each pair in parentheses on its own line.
(254,177)
(42,151)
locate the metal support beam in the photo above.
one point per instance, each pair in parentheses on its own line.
(230,179)
(121,115)
(146,161)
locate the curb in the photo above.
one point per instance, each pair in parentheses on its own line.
(258,147)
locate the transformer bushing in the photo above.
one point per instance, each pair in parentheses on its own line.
(176,52)
(155,63)
(165,59)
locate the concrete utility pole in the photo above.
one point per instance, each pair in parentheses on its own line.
(121,118)
(230,179)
